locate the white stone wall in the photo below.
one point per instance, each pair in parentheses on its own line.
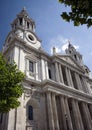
(16,55)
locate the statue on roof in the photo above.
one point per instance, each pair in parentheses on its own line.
(71,51)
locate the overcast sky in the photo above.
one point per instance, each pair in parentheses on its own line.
(50,28)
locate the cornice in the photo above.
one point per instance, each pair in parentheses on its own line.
(66,55)
(61,89)
(26,47)
(42,54)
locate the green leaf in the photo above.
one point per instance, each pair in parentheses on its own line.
(80,9)
(10,85)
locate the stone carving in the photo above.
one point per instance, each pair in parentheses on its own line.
(29,92)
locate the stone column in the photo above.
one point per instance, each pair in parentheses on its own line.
(11,120)
(46,66)
(69,121)
(61,74)
(18,22)
(50,112)
(75,114)
(63,113)
(87,119)
(19,116)
(23,22)
(85,85)
(43,69)
(79,85)
(36,71)
(43,122)
(69,78)
(79,115)
(55,112)
(57,72)
(89,114)
(90,109)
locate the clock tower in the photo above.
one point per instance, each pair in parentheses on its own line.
(23,29)
(24,47)
(21,39)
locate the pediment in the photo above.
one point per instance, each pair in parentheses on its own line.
(71,61)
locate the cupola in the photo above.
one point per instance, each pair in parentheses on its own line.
(74,54)
(23,21)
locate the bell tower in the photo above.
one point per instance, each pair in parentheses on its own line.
(74,54)
(23,46)
(23,29)
(23,22)
(20,39)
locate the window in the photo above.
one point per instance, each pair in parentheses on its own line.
(30,112)
(49,71)
(70,52)
(27,24)
(20,20)
(31,66)
(75,57)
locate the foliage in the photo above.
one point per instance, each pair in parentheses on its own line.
(10,85)
(81,12)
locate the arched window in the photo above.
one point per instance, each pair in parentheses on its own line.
(27,24)
(30,112)
(20,20)
(75,57)
(31,66)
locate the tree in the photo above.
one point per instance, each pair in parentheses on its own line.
(10,85)
(80,12)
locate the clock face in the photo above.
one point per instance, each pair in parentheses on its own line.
(31,38)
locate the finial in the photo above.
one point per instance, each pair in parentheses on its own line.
(69,43)
(54,50)
(24,8)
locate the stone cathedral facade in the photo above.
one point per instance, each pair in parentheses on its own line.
(57,89)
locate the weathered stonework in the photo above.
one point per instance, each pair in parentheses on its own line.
(57,89)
